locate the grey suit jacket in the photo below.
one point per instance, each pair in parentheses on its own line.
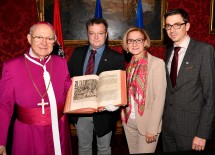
(190,106)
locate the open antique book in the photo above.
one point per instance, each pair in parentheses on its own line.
(88,93)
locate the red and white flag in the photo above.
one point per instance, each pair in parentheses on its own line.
(58,26)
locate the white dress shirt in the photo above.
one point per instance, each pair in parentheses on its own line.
(181,54)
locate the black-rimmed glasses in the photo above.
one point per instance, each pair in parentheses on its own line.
(132,41)
(175,26)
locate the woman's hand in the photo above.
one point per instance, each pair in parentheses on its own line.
(150,137)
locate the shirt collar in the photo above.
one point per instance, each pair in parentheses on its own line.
(98,50)
(31,54)
(184,43)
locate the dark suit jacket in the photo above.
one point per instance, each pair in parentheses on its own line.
(190,106)
(110,60)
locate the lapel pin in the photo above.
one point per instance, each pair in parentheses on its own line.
(105,59)
(189,68)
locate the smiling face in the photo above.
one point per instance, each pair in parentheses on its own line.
(97,35)
(177,35)
(42,40)
(136,43)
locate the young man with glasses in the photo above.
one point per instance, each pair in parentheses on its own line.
(190,100)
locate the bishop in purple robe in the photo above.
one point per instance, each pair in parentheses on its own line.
(33,87)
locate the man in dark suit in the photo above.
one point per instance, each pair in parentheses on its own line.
(103,122)
(190,96)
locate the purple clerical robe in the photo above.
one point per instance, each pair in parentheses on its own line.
(17,89)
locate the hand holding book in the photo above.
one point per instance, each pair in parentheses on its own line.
(111,107)
(92,93)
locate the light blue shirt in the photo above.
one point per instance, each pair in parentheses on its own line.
(98,55)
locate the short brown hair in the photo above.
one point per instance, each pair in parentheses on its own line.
(97,21)
(179,11)
(142,31)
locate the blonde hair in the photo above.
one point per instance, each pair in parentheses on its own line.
(132,29)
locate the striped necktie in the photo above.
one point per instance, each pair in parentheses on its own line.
(91,63)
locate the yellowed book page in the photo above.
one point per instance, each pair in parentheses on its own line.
(82,95)
(112,88)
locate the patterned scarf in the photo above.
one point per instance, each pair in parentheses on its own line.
(137,83)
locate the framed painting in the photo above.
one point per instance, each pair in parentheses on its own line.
(212,16)
(120,16)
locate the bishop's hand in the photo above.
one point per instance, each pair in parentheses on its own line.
(2,150)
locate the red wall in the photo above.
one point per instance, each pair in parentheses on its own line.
(16,17)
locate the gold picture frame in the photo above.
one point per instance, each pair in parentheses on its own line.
(212,16)
(154,18)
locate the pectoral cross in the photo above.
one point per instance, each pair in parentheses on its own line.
(43,104)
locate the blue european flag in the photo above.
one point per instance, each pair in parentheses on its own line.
(98,10)
(139,15)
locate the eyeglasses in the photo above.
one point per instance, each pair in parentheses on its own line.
(175,26)
(40,39)
(132,41)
